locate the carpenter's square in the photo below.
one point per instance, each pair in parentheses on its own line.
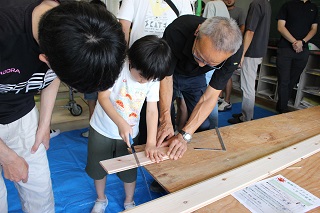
(139,165)
(223,147)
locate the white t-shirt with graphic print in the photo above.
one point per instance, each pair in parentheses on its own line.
(127,97)
(150,17)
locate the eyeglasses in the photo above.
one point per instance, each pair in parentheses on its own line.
(203,61)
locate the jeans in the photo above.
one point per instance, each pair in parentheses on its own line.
(192,88)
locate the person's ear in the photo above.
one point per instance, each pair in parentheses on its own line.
(197,30)
(44,58)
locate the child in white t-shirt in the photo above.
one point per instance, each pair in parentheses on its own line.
(116,114)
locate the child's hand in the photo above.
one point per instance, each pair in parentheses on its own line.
(124,130)
(154,153)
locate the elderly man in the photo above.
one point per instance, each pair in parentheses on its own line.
(198,46)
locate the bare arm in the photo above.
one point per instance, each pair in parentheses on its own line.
(177,145)
(248,36)
(47,100)
(242,29)
(15,168)
(38,12)
(152,151)
(296,44)
(312,32)
(126,29)
(202,110)
(124,128)
(284,31)
(165,129)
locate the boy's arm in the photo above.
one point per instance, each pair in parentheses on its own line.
(124,128)
(152,123)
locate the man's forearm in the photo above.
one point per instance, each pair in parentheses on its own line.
(166,91)
(202,110)
(126,29)
(48,98)
(311,33)
(284,31)
(248,36)
(5,152)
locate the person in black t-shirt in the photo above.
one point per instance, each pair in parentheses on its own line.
(198,46)
(84,46)
(297,24)
(255,44)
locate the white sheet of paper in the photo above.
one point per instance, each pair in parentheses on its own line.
(278,195)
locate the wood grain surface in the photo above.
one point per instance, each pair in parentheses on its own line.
(206,192)
(245,142)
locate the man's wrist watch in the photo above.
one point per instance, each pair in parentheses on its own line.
(303,42)
(186,136)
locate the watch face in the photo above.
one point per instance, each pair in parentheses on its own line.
(187,137)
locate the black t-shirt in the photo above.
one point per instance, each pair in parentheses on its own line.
(299,17)
(258,20)
(180,37)
(22,74)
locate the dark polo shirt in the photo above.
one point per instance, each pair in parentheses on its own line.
(180,37)
(299,17)
(258,20)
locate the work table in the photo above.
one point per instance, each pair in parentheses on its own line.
(245,142)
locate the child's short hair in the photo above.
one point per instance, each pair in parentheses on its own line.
(84,45)
(151,56)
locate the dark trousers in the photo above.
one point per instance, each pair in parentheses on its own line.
(192,88)
(290,65)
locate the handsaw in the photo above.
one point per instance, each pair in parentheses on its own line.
(139,166)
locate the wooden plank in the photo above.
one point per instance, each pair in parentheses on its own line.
(245,143)
(305,173)
(206,192)
(126,162)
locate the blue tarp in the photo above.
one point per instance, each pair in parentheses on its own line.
(74,190)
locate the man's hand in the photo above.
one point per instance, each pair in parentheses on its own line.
(42,137)
(297,46)
(16,169)
(177,147)
(165,131)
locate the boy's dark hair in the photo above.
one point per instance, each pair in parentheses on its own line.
(84,45)
(151,56)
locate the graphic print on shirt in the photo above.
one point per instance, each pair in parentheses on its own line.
(129,102)
(37,82)
(156,19)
